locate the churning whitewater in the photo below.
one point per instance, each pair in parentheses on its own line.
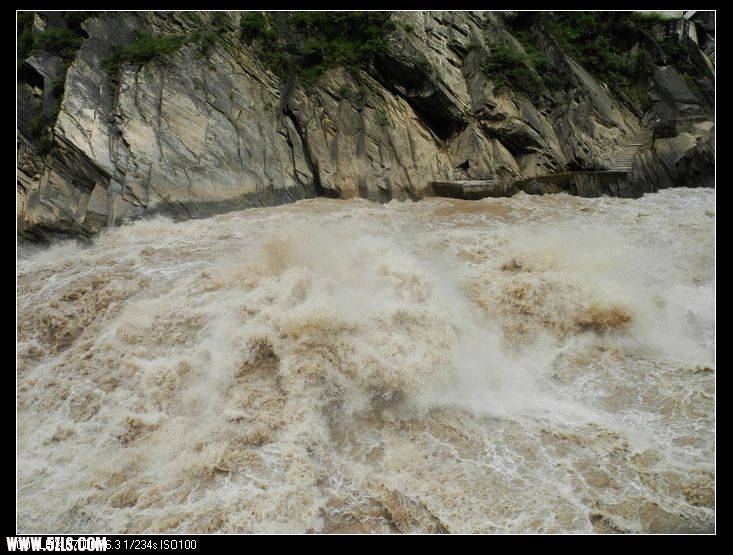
(529,364)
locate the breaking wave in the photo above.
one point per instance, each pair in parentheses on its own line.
(532,364)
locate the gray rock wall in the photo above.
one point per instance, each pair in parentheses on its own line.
(193,135)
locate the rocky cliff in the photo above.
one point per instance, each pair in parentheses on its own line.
(189,114)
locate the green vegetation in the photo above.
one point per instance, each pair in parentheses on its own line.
(313,42)
(63,42)
(676,52)
(53,41)
(343,38)
(679,54)
(599,42)
(210,33)
(647,20)
(508,67)
(25,35)
(528,72)
(256,26)
(589,38)
(544,68)
(58,41)
(39,130)
(154,46)
(145,48)
(74,20)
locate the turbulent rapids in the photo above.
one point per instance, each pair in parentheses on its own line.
(530,364)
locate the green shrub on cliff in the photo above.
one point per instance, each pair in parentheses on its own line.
(257,26)
(647,20)
(528,72)
(254,25)
(145,48)
(312,42)
(63,42)
(592,39)
(57,41)
(24,23)
(149,46)
(509,68)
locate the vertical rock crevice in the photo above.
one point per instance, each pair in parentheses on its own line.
(312,164)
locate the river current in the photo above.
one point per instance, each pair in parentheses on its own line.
(535,364)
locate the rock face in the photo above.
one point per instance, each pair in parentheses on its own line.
(192,135)
(687,158)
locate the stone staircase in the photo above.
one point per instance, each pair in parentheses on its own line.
(624,158)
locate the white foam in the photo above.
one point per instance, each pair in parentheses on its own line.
(442,365)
